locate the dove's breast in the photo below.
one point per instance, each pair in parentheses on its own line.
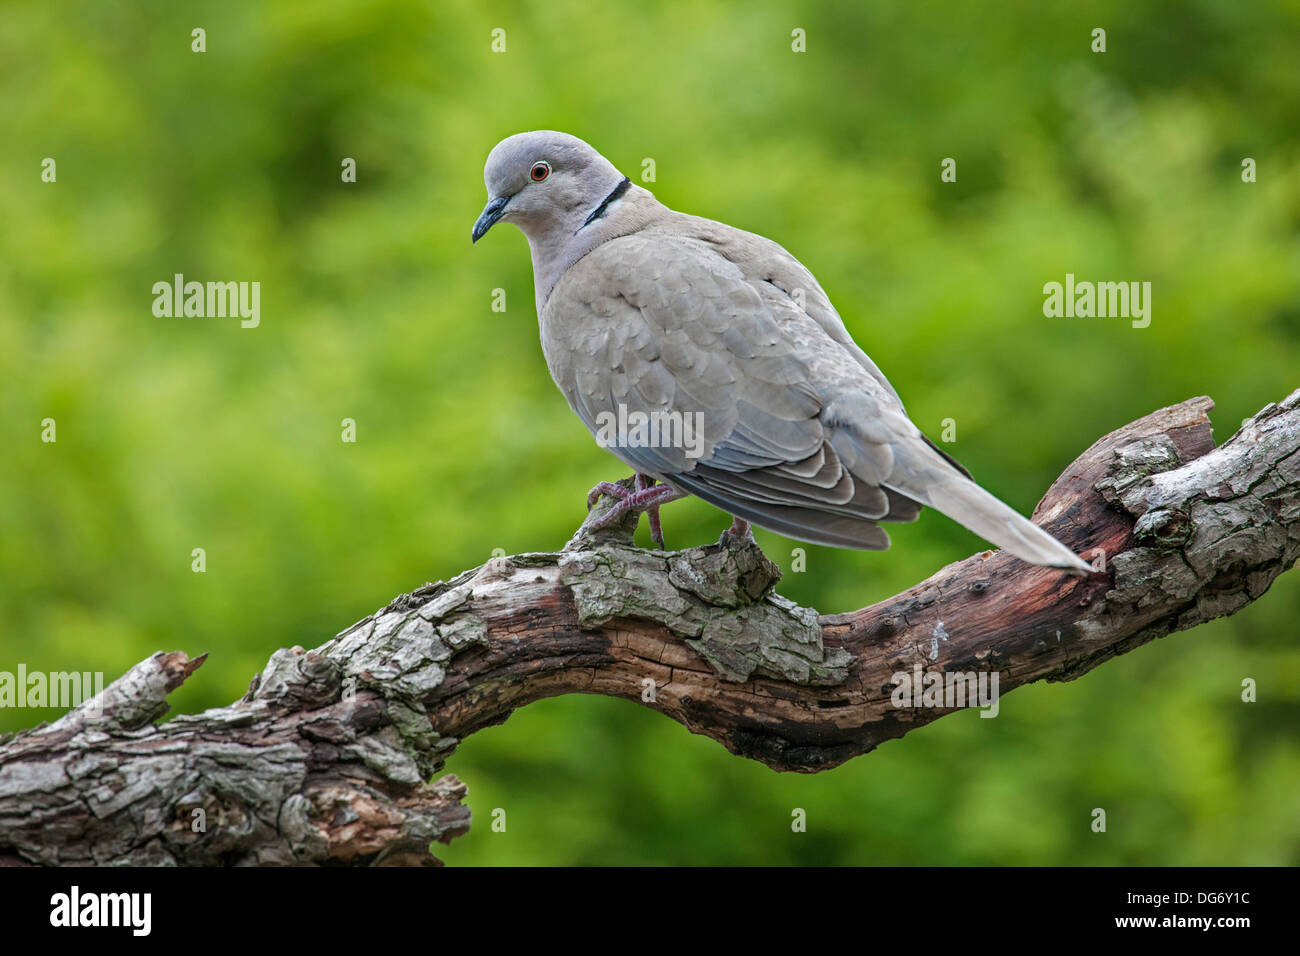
(673,322)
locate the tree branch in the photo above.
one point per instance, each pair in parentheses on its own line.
(325,759)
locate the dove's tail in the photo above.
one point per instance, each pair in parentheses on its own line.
(965,502)
(922,475)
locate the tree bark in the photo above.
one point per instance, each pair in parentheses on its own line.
(326,758)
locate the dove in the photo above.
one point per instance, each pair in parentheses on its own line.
(654,323)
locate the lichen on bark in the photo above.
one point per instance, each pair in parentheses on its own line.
(719,599)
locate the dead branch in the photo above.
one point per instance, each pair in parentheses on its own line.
(326,759)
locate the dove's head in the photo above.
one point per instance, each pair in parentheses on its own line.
(548,184)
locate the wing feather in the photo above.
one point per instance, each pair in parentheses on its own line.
(784,445)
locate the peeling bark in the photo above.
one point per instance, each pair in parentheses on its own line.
(326,759)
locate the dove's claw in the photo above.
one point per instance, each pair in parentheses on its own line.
(647,497)
(606,488)
(739,533)
(656,529)
(652,513)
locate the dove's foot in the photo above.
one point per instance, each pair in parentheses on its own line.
(647,497)
(738,535)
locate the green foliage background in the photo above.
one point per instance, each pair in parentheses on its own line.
(183,433)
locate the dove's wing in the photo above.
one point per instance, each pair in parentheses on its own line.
(799,431)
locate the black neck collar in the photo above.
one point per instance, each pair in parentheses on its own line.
(614,194)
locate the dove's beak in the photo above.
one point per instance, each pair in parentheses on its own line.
(491,213)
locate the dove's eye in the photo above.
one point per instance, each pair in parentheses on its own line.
(539,171)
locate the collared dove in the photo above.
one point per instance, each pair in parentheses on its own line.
(691,322)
